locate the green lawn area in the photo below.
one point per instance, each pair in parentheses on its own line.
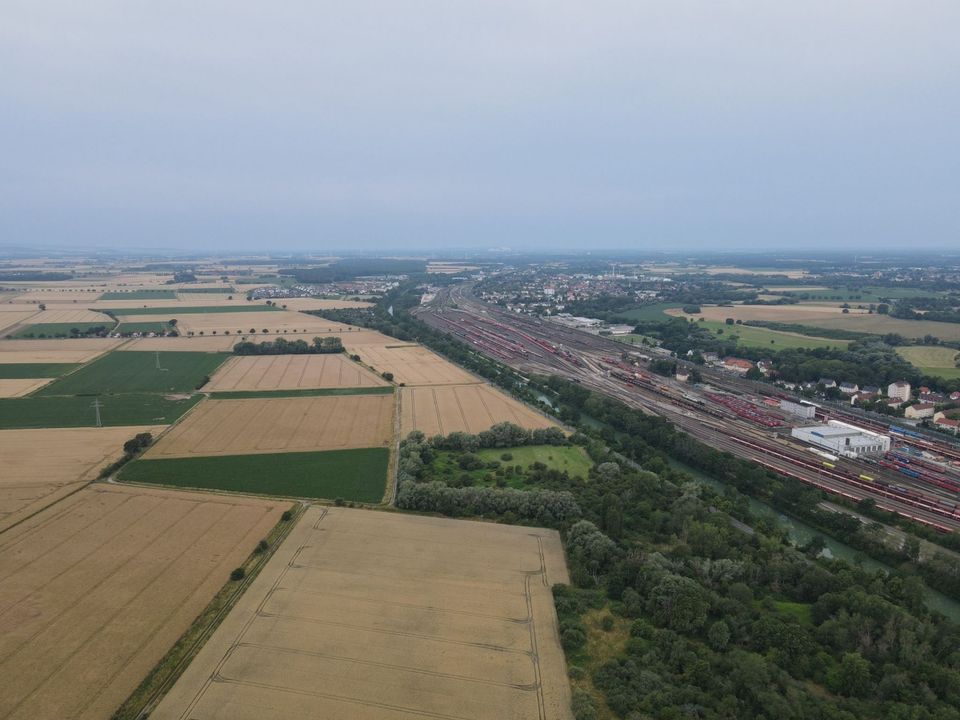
(197,310)
(310,392)
(51,412)
(802,612)
(572,458)
(358,475)
(16,371)
(57,330)
(136,372)
(932,360)
(759,337)
(649,312)
(140,295)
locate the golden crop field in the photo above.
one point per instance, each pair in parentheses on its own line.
(287,372)
(442,409)
(376,616)
(9,318)
(410,364)
(21,387)
(96,589)
(62,350)
(69,315)
(273,321)
(270,425)
(41,466)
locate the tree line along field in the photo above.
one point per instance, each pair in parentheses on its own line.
(95,589)
(133,372)
(60,330)
(175,310)
(378,616)
(358,474)
(302,392)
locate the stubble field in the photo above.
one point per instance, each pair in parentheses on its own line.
(287,372)
(40,466)
(292,424)
(443,409)
(410,364)
(375,616)
(97,588)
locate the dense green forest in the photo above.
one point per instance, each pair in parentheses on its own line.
(679,610)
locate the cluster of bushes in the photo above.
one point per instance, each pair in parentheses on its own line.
(319,346)
(131,448)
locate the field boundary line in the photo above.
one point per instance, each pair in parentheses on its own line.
(195,637)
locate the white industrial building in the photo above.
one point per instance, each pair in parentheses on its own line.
(802,408)
(843,439)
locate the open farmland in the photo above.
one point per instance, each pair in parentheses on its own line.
(10,318)
(41,466)
(932,360)
(131,372)
(293,424)
(70,350)
(77,411)
(284,372)
(18,387)
(70,316)
(831,318)
(11,371)
(59,330)
(358,475)
(182,309)
(410,364)
(371,616)
(280,321)
(95,589)
(444,409)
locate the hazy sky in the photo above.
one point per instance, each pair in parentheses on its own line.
(429,124)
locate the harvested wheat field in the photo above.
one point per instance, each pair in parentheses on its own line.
(69,315)
(10,318)
(410,364)
(375,616)
(62,350)
(291,372)
(41,466)
(96,589)
(274,321)
(270,425)
(18,387)
(441,410)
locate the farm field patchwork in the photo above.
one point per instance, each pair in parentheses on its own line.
(377,616)
(299,424)
(95,589)
(131,372)
(41,466)
(410,364)
(279,372)
(359,474)
(10,318)
(444,409)
(77,411)
(933,360)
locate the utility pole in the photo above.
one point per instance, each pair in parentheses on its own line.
(96,407)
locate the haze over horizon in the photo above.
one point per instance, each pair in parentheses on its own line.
(569,126)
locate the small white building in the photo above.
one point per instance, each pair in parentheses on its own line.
(803,409)
(843,439)
(899,390)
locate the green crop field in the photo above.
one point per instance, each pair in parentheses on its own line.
(933,360)
(53,412)
(197,310)
(140,295)
(136,372)
(649,312)
(309,392)
(358,475)
(58,330)
(572,458)
(159,326)
(758,337)
(16,371)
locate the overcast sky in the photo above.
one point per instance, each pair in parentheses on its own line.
(449,123)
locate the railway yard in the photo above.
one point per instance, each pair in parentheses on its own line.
(919,478)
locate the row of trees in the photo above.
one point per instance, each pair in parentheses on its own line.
(280,346)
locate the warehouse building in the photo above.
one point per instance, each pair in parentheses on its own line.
(843,439)
(803,409)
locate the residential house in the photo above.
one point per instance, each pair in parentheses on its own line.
(899,390)
(919,411)
(848,388)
